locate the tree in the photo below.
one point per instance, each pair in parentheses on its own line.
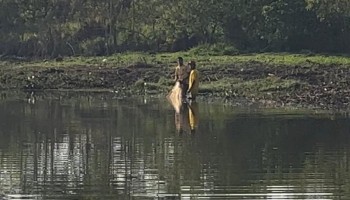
(47,28)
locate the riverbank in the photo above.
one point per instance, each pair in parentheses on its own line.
(293,80)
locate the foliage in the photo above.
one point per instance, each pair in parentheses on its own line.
(89,27)
(217,49)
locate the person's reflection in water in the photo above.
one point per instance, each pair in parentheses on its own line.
(181,119)
(186,113)
(186,117)
(193,117)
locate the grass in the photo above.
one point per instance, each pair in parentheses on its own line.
(229,86)
(215,68)
(268,58)
(169,59)
(222,85)
(209,60)
(268,84)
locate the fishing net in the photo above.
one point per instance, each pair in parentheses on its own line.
(174,97)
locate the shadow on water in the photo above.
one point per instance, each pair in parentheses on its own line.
(98,146)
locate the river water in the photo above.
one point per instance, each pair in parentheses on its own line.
(95,146)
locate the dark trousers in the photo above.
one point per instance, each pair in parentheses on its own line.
(184,87)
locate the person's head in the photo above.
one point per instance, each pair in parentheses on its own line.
(180,61)
(192,64)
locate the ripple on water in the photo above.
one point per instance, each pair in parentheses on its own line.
(81,150)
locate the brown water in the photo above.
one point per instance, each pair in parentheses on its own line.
(93,146)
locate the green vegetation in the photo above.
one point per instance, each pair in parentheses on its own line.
(283,79)
(203,57)
(231,86)
(49,28)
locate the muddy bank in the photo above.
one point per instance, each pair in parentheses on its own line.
(309,85)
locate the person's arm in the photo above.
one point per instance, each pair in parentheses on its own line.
(188,72)
(190,88)
(176,74)
(191,82)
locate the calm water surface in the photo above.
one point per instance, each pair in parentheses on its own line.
(93,146)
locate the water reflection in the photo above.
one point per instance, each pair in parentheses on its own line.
(193,115)
(101,147)
(186,118)
(181,120)
(186,113)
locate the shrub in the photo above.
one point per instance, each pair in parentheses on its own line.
(217,49)
(165,81)
(94,47)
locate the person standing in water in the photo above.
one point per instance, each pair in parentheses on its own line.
(181,75)
(193,81)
